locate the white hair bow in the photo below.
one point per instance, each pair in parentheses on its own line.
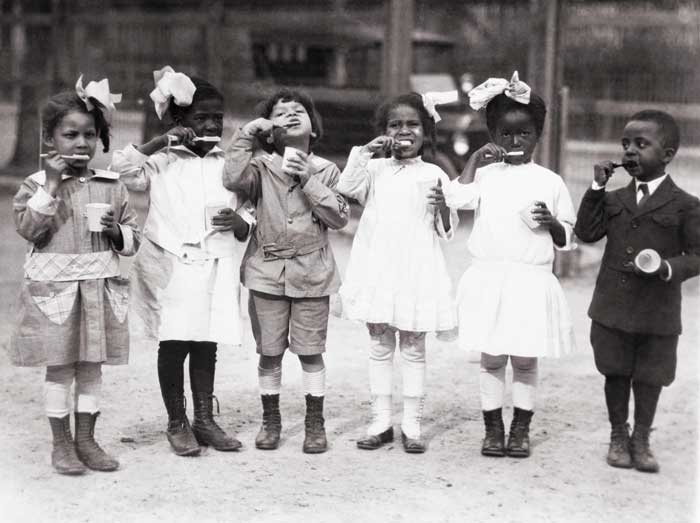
(98,91)
(482,94)
(170,84)
(431,99)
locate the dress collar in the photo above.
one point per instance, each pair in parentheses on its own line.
(405,161)
(40,177)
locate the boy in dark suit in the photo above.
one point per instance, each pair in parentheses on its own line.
(637,315)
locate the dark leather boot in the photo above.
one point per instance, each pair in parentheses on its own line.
(179,431)
(63,456)
(518,445)
(269,436)
(494,439)
(619,450)
(642,457)
(315,441)
(87,449)
(205,429)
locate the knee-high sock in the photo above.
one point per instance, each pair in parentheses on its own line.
(314,383)
(617,398)
(646,397)
(88,385)
(524,382)
(171,359)
(269,380)
(202,366)
(492,381)
(57,383)
(380,385)
(413,370)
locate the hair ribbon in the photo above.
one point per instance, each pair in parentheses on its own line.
(98,91)
(515,89)
(433,98)
(170,84)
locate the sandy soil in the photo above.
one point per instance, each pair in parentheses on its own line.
(566,479)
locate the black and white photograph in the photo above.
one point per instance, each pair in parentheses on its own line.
(277,261)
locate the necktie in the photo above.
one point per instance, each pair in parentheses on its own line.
(645,194)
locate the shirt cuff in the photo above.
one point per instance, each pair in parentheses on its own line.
(462,195)
(440,225)
(670,272)
(127,241)
(134,156)
(597,187)
(570,244)
(247,214)
(42,202)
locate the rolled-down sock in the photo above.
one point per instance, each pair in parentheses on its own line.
(88,385)
(269,380)
(314,383)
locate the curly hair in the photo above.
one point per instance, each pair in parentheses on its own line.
(415,101)
(287,94)
(59,105)
(502,104)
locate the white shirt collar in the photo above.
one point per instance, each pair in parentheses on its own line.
(651,185)
(40,177)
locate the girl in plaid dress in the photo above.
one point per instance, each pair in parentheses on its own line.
(71,313)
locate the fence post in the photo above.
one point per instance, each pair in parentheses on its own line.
(397,61)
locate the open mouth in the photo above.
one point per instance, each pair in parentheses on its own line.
(291,125)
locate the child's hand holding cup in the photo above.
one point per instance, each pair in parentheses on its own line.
(648,262)
(527,214)
(214,216)
(100,217)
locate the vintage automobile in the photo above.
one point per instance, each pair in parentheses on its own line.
(341,68)
(339,63)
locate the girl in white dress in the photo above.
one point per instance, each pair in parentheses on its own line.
(510,303)
(396,279)
(186,275)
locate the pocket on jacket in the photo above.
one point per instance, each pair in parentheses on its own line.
(117,291)
(55,300)
(613,210)
(666,220)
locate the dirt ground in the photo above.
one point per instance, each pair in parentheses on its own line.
(566,479)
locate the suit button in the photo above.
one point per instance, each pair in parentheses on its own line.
(289,220)
(628,264)
(635,224)
(629,250)
(623,279)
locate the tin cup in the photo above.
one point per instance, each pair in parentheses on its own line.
(648,261)
(288,153)
(95,212)
(210,210)
(424,187)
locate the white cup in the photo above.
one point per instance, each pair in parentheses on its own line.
(212,209)
(288,153)
(527,216)
(95,212)
(648,260)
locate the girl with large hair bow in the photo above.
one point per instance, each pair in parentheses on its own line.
(185,278)
(72,309)
(511,305)
(396,280)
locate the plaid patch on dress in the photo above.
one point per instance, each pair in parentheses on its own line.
(70,267)
(57,306)
(118,296)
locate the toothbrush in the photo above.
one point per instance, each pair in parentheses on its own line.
(69,156)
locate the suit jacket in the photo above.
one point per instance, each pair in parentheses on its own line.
(669,222)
